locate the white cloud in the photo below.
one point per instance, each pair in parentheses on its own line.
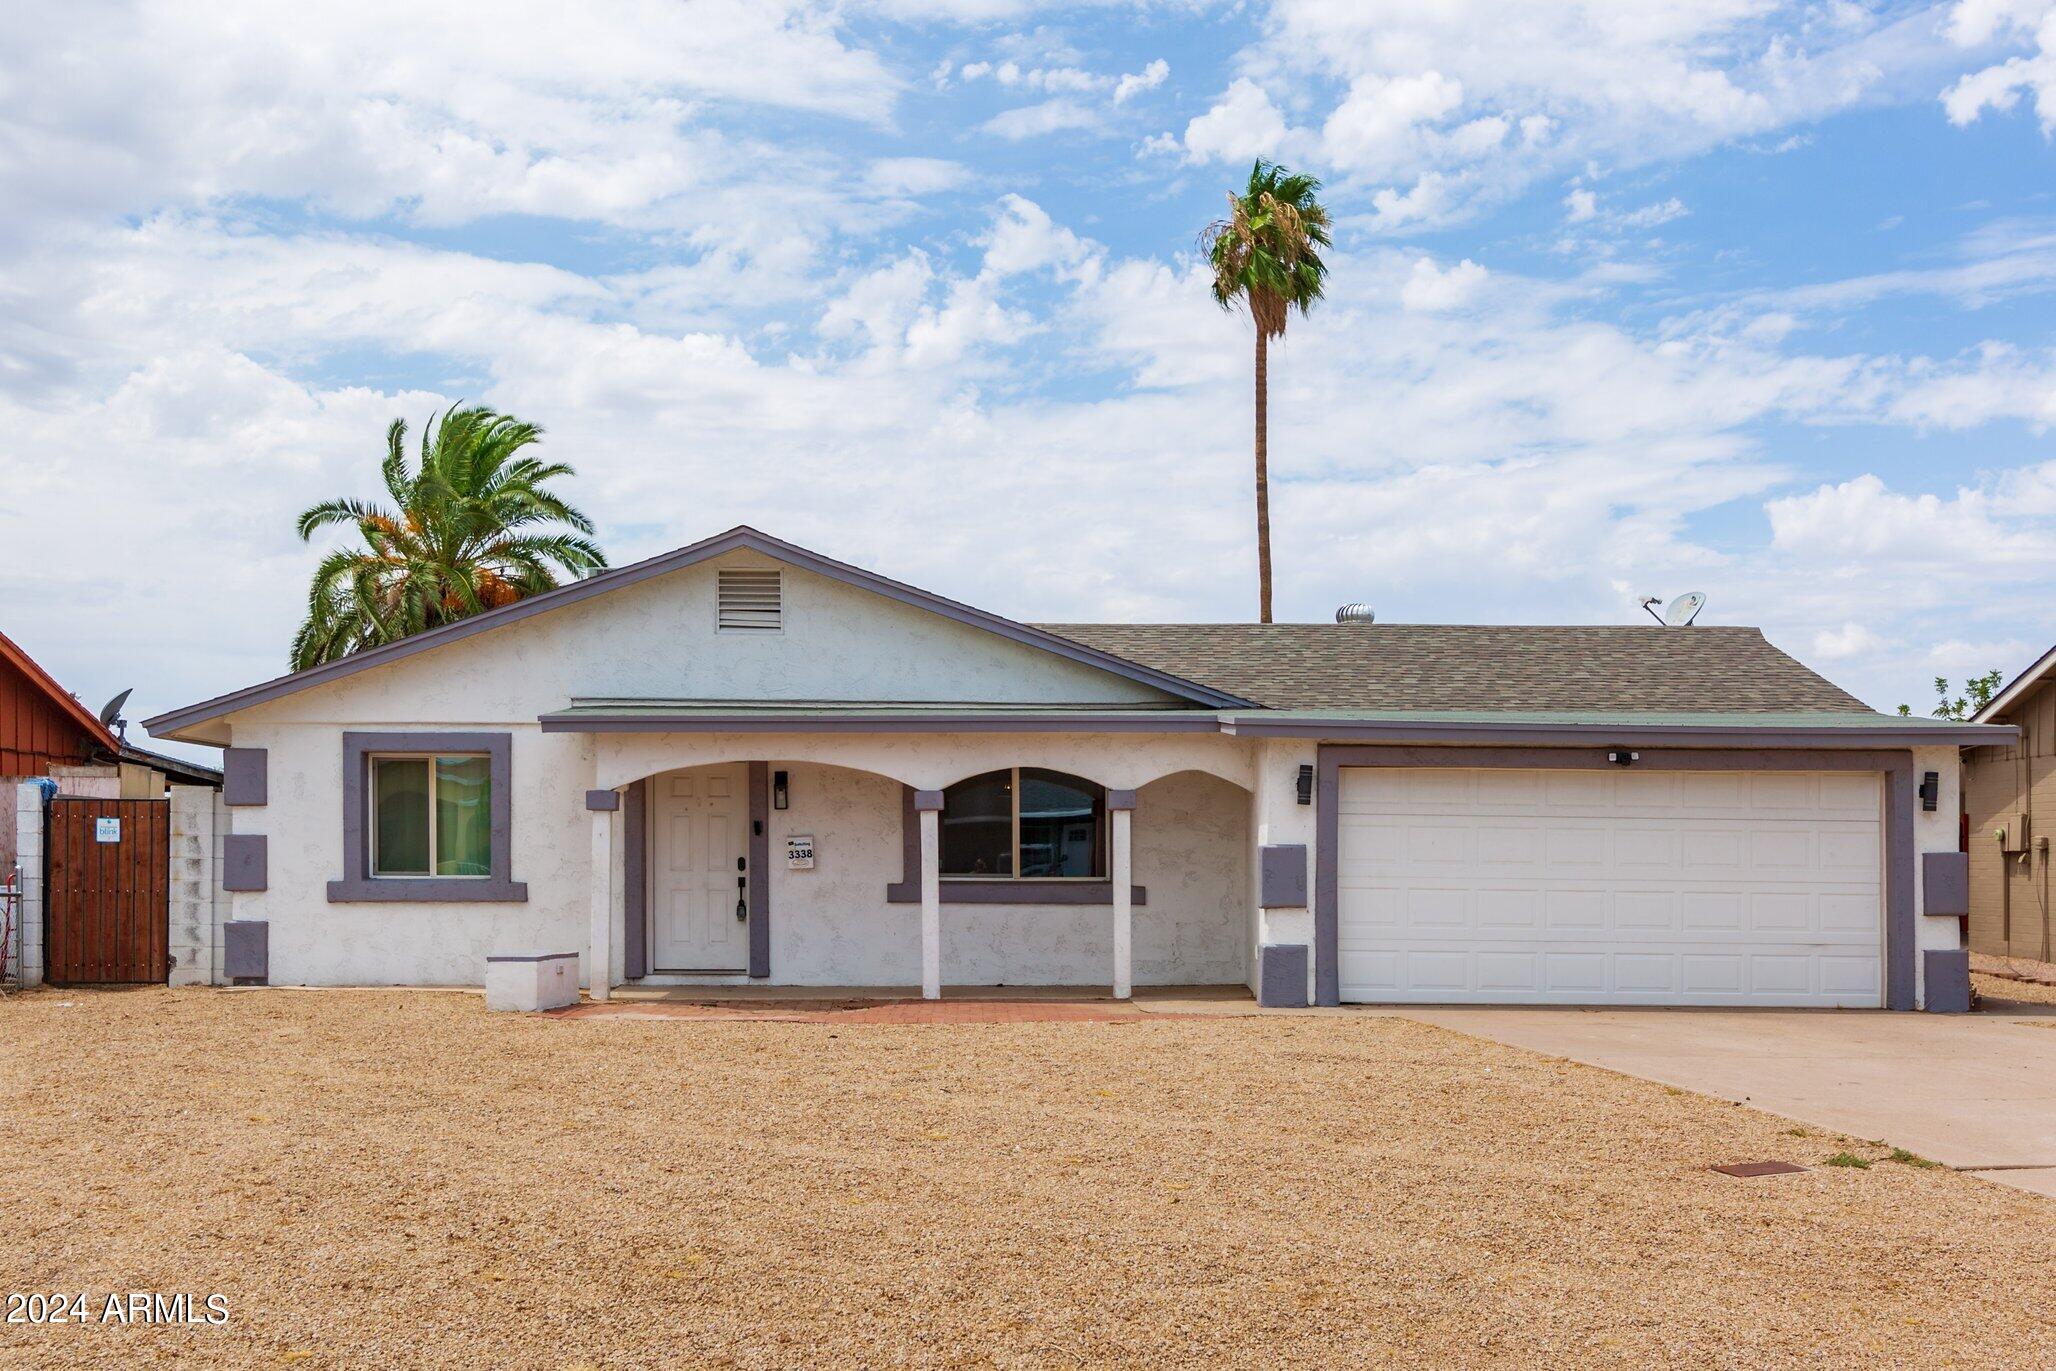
(1431,288)
(1580,205)
(1649,216)
(1240,127)
(915,175)
(1036,121)
(2032,23)
(1377,125)
(1851,639)
(1136,82)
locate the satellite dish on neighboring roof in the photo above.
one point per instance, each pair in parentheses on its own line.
(1685,608)
(110,713)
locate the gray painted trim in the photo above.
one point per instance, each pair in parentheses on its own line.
(759,873)
(1900,803)
(1058,721)
(927,799)
(359,886)
(1945,882)
(244,775)
(635,880)
(1281,875)
(245,862)
(1120,799)
(603,801)
(956,890)
(736,539)
(1948,981)
(532,957)
(246,950)
(1622,735)
(1281,976)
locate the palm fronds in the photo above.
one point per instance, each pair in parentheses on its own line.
(470,528)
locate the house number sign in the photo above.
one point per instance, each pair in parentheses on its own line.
(799,852)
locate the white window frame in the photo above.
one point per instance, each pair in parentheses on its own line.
(1104,856)
(371,802)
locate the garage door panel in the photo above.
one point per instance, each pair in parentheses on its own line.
(1603,886)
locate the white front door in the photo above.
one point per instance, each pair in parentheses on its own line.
(699,837)
(1611,887)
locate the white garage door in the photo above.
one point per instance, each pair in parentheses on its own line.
(1610,887)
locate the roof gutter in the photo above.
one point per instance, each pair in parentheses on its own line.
(885,721)
(1625,735)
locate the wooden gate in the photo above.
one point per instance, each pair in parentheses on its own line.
(109,913)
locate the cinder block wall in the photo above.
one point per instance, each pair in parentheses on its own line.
(194,935)
(25,947)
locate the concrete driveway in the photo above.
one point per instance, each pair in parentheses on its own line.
(1976,1092)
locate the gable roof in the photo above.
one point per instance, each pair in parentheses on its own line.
(740,538)
(35,711)
(1602,668)
(2014,690)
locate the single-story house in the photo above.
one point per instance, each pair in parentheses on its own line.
(743,761)
(2009,806)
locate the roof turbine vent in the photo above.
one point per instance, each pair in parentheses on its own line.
(1354,613)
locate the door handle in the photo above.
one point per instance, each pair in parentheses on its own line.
(742,908)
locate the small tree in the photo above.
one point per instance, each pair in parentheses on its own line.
(1977,693)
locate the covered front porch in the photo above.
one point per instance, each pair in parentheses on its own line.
(915,862)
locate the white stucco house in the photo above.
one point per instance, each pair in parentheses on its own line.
(745,762)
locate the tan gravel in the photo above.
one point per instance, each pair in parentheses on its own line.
(2011,988)
(397,1178)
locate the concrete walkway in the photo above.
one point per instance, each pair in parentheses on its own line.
(1976,1092)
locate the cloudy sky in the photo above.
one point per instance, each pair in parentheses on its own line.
(1629,296)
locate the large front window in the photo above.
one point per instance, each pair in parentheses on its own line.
(1024,823)
(431,816)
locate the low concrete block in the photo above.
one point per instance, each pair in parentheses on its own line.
(246,951)
(525,982)
(1281,976)
(1948,982)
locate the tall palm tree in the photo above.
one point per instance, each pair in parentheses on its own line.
(1265,255)
(469,530)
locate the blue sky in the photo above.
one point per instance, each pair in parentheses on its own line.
(1684,294)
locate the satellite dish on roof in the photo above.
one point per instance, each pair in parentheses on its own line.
(110,713)
(1684,609)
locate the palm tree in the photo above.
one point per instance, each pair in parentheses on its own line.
(468,531)
(1265,254)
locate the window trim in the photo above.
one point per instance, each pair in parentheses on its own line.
(359,884)
(434,780)
(1103,832)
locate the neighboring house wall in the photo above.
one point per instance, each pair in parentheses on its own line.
(2014,787)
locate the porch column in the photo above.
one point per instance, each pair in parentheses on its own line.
(1121,811)
(928,803)
(599,967)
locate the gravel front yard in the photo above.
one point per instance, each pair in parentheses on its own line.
(398,1178)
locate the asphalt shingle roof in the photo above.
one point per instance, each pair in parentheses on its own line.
(1478,666)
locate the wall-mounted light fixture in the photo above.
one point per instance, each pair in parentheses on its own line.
(1620,756)
(1930,790)
(780,797)
(1306,785)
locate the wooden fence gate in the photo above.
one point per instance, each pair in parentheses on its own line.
(109,913)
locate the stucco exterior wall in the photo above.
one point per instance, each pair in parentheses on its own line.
(657,640)
(1935,831)
(314,942)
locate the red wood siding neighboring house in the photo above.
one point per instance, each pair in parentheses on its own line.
(43,729)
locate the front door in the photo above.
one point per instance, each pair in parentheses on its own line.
(700,840)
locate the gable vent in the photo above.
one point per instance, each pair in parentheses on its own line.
(751,600)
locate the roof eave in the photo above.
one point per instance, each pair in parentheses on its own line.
(1623,734)
(2011,693)
(885,721)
